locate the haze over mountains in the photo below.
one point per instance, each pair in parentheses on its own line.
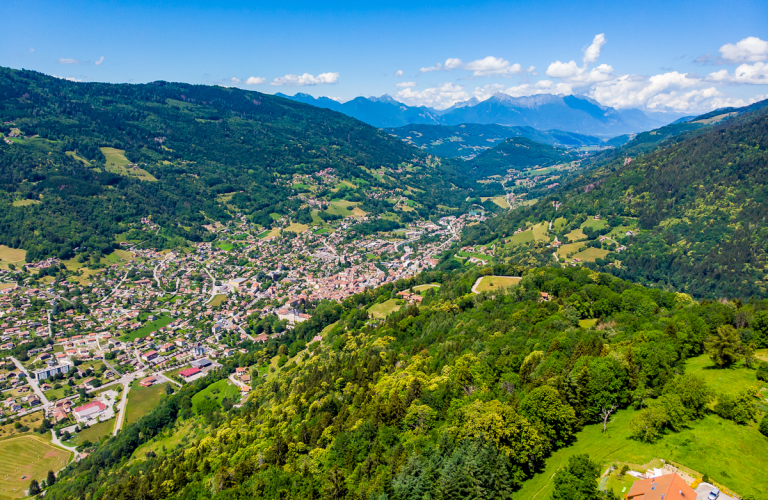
(570,113)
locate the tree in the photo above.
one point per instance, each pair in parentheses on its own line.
(764,426)
(724,346)
(577,480)
(554,418)
(51,478)
(34,487)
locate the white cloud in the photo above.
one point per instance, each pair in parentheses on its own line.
(399,72)
(452,63)
(751,49)
(436,67)
(540,87)
(592,53)
(101,60)
(255,80)
(493,66)
(486,91)
(577,75)
(440,97)
(756,74)
(629,91)
(235,80)
(305,80)
(31,51)
(64,60)
(406,84)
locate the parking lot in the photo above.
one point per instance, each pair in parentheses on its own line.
(702,492)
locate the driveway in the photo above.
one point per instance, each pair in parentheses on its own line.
(702,491)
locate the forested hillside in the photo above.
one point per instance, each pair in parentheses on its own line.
(697,208)
(517,153)
(470,139)
(173,148)
(464,396)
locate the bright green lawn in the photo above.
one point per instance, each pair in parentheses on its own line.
(594,224)
(493,283)
(92,433)
(148,328)
(731,454)
(225,389)
(590,254)
(225,246)
(723,380)
(520,238)
(559,223)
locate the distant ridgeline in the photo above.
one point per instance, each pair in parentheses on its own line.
(84,160)
(517,153)
(688,214)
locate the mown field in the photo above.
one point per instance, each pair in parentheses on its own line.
(25,458)
(492,283)
(218,391)
(384,309)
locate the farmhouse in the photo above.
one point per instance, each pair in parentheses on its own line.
(148,382)
(666,487)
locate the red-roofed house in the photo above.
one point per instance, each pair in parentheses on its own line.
(89,411)
(189,373)
(149,355)
(148,382)
(666,487)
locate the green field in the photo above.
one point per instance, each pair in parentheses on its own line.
(520,238)
(148,328)
(499,200)
(559,223)
(587,323)
(10,255)
(384,309)
(723,380)
(25,203)
(224,387)
(28,456)
(424,288)
(117,163)
(576,235)
(224,245)
(339,207)
(541,231)
(141,400)
(493,283)
(733,455)
(594,224)
(297,228)
(218,300)
(590,254)
(92,433)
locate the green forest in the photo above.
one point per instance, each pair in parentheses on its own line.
(699,204)
(177,148)
(464,396)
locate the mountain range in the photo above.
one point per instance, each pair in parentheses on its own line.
(570,113)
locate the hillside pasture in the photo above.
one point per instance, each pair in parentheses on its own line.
(590,254)
(216,391)
(541,231)
(499,200)
(25,203)
(141,400)
(29,457)
(733,455)
(117,163)
(494,283)
(341,207)
(730,380)
(576,235)
(520,238)
(595,224)
(15,256)
(384,309)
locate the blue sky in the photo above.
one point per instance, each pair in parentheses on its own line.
(659,56)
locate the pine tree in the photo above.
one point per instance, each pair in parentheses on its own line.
(34,487)
(51,478)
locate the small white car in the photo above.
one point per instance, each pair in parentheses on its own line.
(714,494)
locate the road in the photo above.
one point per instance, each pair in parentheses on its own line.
(121,406)
(170,255)
(55,440)
(213,286)
(117,287)
(32,383)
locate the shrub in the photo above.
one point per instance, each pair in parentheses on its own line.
(764,426)
(762,372)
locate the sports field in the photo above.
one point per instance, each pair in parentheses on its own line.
(25,458)
(493,283)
